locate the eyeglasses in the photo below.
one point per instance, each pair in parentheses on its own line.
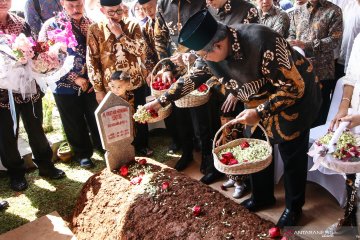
(117,12)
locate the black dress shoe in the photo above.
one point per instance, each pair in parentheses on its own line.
(52,172)
(86,163)
(4,205)
(250,205)
(18,184)
(211,177)
(289,218)
(183,162)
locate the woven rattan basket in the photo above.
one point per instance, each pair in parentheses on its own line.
(162,114)
(192,100)
(154,92)
(241,168)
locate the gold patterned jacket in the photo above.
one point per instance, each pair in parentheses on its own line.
(16,25)
(265,73)
(321,29)
(106,54)
(171,16)
(235,12)
(276,19)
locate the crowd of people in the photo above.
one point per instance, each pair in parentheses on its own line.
(267,60)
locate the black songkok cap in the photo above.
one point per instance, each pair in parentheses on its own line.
(198,30)
(109,3)
(141,2)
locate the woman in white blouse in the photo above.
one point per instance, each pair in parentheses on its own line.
(350,98)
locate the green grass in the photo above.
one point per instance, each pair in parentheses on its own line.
(45,196)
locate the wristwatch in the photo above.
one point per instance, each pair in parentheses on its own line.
(4,205)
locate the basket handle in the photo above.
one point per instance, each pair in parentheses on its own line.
(152,72)
(232,122)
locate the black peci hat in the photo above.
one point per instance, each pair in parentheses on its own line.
(141,2)
(198,30)
(110,3)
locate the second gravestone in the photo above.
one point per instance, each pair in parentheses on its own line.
(114,120)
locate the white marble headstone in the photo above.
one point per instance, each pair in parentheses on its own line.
(114,120)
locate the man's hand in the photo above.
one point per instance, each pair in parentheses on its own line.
(229,104)
(177,59)
(353,119)
(115,28)
(188,58)
(82,82)
(297,43)
(248,117)
(153,105)
(100,96)
(167,77)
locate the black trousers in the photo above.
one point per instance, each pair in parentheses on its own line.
(142,131)
(77,115)
(171,126)
(32,116)
(294,156)
(184,120)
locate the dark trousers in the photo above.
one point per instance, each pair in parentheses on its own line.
(328,87)
(171,126)
(77,115)
(294,156)
(142,131)
(185,118)
(32,116)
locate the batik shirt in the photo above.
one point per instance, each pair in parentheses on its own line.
(320,28)
(67,84)
(276,19)
(265,73)
(48,9)
(148,33)
(106,54)
(235,12)
(171,16)
(16,25)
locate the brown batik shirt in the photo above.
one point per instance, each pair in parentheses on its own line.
(320,27)
(106,54)
(148,33)
(276,19)
(16,25)
(171,16)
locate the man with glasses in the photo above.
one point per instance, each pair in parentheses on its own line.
(277,86)
(116,44)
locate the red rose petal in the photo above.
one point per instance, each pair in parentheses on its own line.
(274,232)
(223,188)
(244,145)
(142,161)
(227,155)
(233,161)
(165,185)
(196,210)
(124,170)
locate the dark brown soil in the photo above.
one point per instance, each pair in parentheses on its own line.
(109,207)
